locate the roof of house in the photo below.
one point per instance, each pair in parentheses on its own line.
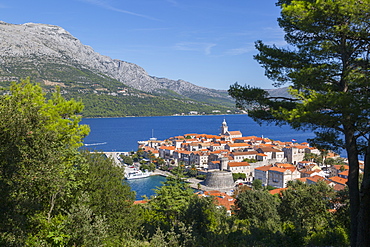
(296,146)
(236,164)
(220,151)
(284,165)
(338,180)
(235,132)
(269,150)
(315,178)
(338,187)
(244,153)
(141,202)
(279,143)
(303,180)
(305,162)
(238,144)
(278,169)
(261,154)
(344,173)
(168,147)
(309,172)
(277,191)
(221,199)
(183,152)
(263,168)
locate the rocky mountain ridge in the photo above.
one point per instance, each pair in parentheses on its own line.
(42,42)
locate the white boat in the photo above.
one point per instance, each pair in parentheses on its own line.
(137,174)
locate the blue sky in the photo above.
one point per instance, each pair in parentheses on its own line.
(207,42)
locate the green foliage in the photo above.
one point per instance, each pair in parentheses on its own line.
(85,227)
(239,175)
(50,232)
(127,159)
(102,105)
(250,160)
(257,184)
(171,199)
(269,187)
(51,193)
(192,171)
(201,177)
(109,195)
(260,208)
(39,140)
(306,206)
(205,218)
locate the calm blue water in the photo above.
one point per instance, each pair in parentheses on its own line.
(145,186)
(122,134)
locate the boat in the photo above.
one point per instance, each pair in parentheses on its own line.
(136,174)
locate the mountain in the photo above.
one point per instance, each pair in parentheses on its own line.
(279,92)
(28,47)
(108,87)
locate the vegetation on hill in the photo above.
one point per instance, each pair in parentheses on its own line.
(120,106)
(107,97)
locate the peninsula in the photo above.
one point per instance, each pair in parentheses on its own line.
(273,162)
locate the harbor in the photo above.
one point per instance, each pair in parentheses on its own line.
(142,182)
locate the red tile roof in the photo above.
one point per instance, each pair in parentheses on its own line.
(277,191)
(221,199)
(285,165)
(316,178)
(344,173)
(338,187)
(235,132)
(244,153)
(236,164)
(263,168)
(277,169)
(302,179)
(140,202)
(338,180)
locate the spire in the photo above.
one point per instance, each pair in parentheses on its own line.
(224,128)
(224,122)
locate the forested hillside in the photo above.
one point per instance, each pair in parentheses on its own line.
(104,96)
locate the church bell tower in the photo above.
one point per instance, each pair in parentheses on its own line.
(224,128)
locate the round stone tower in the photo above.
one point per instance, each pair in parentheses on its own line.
(219,180)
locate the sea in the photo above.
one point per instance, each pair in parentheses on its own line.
(122,135)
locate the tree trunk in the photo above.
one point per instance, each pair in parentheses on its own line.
(354,195)
(363,237)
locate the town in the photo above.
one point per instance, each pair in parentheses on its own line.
(273,162)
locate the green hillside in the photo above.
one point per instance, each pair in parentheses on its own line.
(104,96)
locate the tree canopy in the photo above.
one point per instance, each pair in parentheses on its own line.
(326,63)
(51,193)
